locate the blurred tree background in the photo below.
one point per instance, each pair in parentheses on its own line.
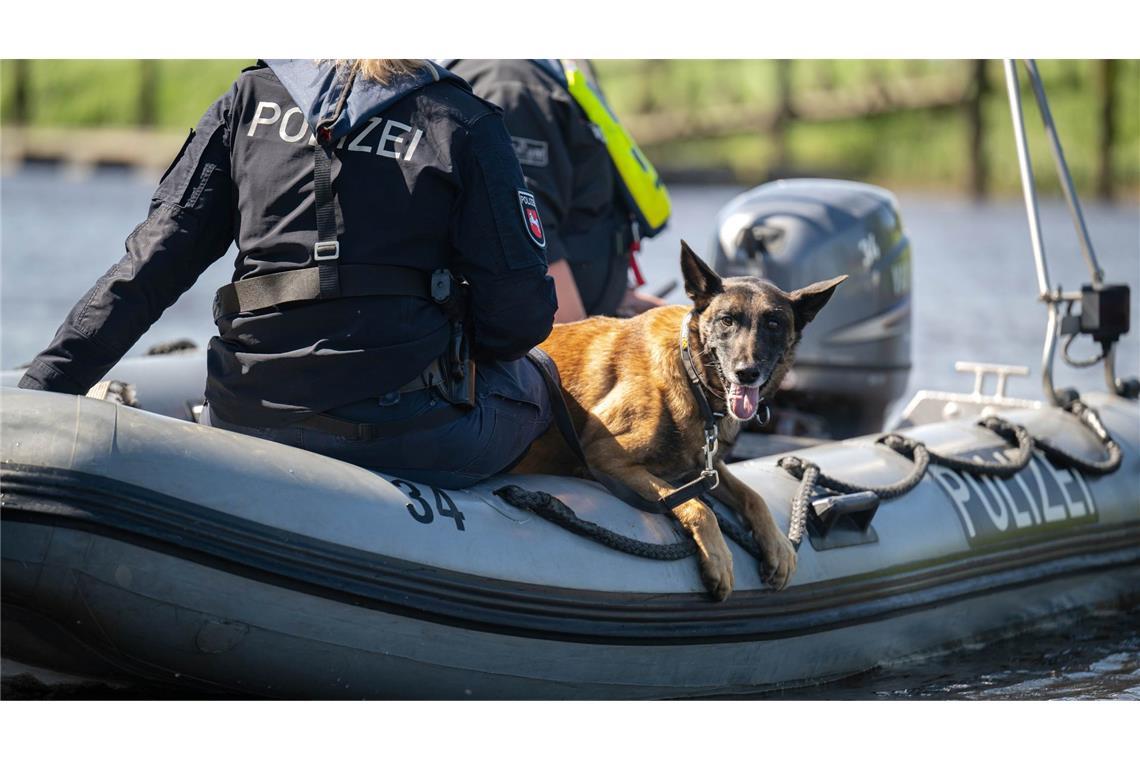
(933,124)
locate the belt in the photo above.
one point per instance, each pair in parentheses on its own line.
(303,285)
(368,431)
(429,377)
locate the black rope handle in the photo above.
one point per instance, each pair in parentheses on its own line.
(1088,416)
(550,508)
(1013,434)
(800,503)
(812,478)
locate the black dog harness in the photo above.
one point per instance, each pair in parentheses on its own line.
(706,481)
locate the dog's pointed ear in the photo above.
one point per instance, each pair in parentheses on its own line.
(807,301)
(701,282)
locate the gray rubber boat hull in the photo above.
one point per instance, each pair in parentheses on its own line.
(139,545)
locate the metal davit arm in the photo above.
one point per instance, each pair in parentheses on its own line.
(1029,189)
(1028,184)
(1063,171)
(1053,299)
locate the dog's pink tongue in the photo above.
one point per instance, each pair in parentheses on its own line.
(743,401)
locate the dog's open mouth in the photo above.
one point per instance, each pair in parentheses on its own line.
(743,401)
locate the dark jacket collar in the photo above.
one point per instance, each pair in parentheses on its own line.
(316,88)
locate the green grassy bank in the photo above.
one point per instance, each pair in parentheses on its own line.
(900,148)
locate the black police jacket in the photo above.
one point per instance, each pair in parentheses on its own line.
(568,169)
(424,177)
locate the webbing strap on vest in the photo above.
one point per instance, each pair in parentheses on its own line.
(324,281)
(327,250)
(309,284)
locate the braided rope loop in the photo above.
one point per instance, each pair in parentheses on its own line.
(1012,434)
(546,506)
(800,503)
(812,478)
(1088,416)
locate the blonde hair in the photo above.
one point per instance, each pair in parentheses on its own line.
(381,70)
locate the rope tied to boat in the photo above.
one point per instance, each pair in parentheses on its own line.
(813,479)
(1091,420)
(809,478)
(550,508)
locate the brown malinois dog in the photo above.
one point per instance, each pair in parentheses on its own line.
(640,424)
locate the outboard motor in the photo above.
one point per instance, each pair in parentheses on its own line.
(854,359)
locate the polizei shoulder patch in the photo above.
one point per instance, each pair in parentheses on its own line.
(531,220)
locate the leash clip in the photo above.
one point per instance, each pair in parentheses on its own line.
(712,444)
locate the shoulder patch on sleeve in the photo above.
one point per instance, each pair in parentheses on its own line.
(531,220)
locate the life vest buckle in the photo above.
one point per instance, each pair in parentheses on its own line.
(326,250)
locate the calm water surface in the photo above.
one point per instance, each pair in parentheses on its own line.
(974,299)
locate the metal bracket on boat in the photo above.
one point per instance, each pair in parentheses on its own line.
(836,521)
(937,406)
(981,370)
(1106,305)
(855,509)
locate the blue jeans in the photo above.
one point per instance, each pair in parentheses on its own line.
(512,409)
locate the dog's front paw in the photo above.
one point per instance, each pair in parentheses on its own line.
(716,572)
(779,563)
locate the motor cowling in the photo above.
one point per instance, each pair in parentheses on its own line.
(854,359)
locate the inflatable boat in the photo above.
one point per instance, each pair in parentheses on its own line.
(138,546)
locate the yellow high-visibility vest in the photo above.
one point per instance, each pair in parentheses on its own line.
(643,189)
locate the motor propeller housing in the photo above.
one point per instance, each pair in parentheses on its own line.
(854,360)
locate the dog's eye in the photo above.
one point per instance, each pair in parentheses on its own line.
(726,321)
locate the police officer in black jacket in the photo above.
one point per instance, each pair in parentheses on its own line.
(567,167)
(390,271)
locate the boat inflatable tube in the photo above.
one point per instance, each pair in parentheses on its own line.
(142,546)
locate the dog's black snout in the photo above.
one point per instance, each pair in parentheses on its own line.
(747,375)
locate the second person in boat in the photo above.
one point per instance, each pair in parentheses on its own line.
(597,193)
